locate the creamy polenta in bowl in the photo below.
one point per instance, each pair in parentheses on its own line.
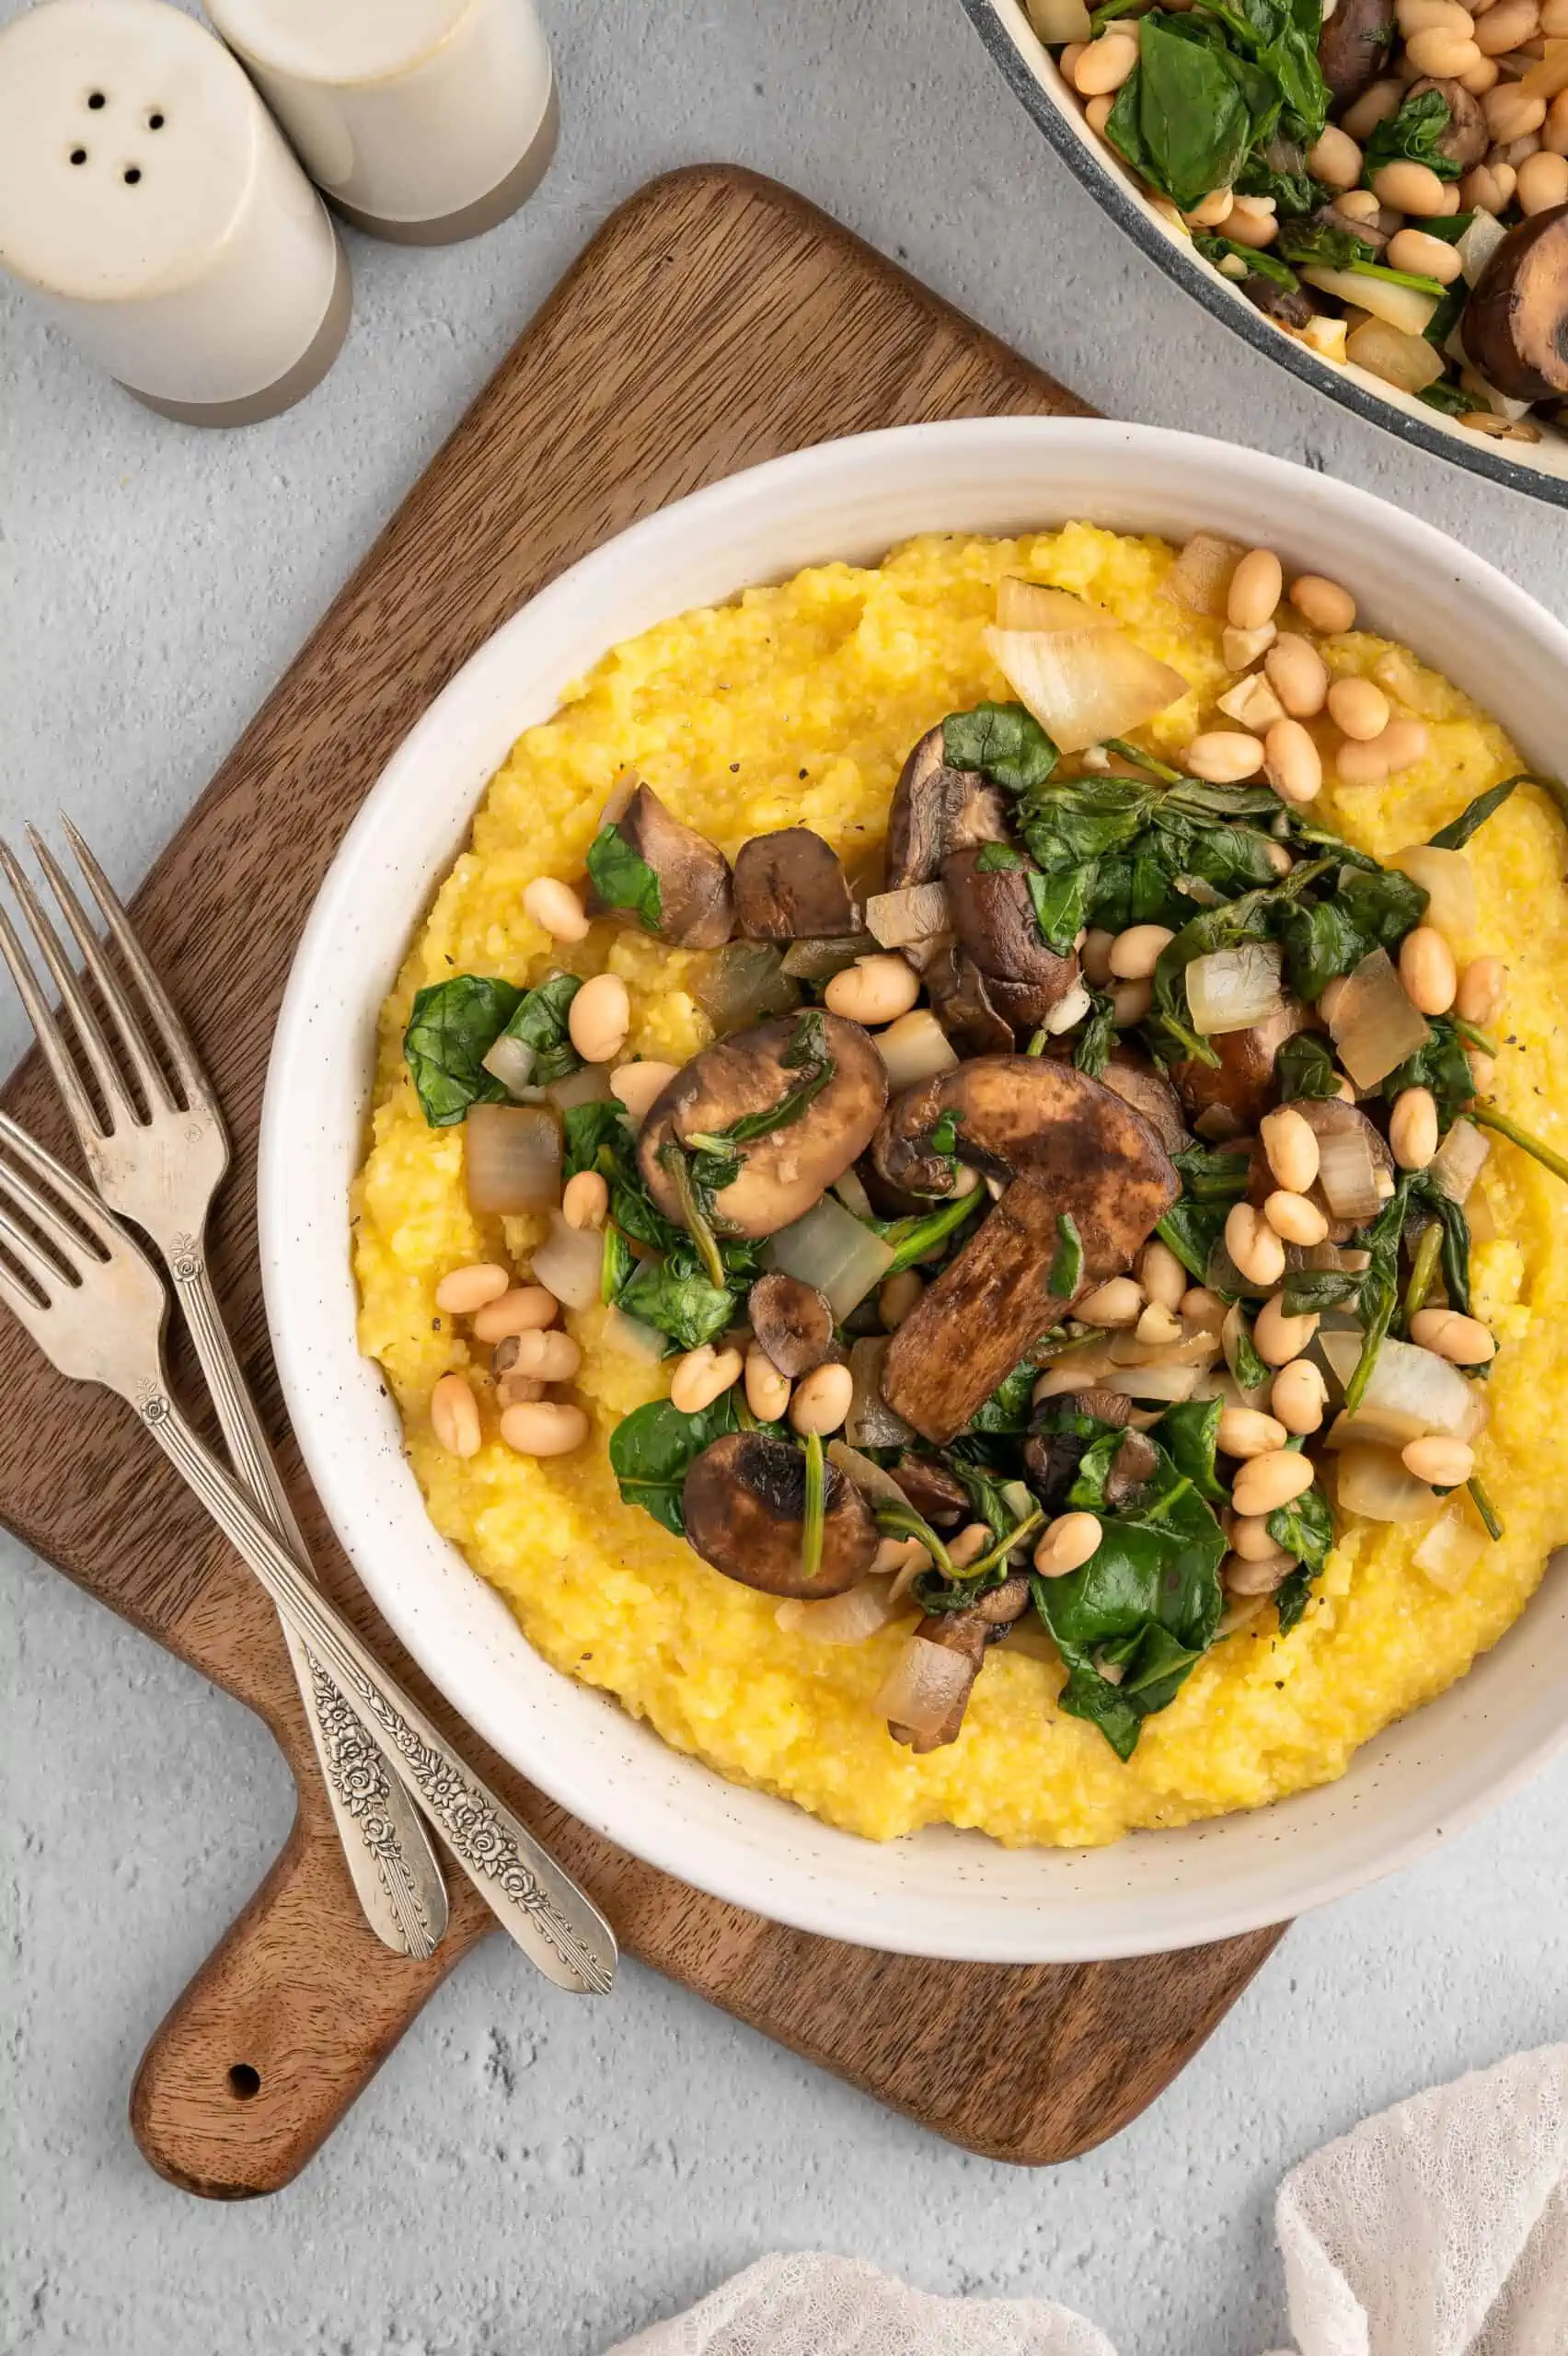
(964,1193)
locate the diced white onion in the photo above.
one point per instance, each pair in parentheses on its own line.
(1404,307)
(1374,1025)
(872,1479)
(1478,245)
(1030,604)
(1069,1010)
(1348,1172)
(1449,881)
(1150,1381)
(1200,579)
(1057,22)
(914,1048)
(832,1250)
(919,912)
(743,982)
(589,1086)
(1374,1484)
(1409,1382)
(1453,1546)
(1460,1158)
(1085,684)
(919,1690)
(1232,990)
(629,1334)
(870,1422)
(853,1196)
(847,1619)
(511,1158)
(1374,1427)
(569,1262)
(1391,350)
(1197,1348)
(512,1062)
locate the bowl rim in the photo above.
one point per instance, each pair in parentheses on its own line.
(723,1855)
(1114,193)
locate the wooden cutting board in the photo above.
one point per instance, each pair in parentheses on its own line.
(716,320)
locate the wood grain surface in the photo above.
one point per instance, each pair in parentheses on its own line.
(671,355)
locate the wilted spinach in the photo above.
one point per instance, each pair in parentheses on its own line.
(1211,1180)
(452,1027)
(676,1296)
(1440,1064)
(1003,741)
(1008,1407)
(652,1450)
(623,879)
(541,1021)
(1414,134)
(1304,1067)
(1191,110)
(1091,1052)
(1324,242)
(1457,832)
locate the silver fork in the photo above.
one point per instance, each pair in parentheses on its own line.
(161,1168)
(96,1307)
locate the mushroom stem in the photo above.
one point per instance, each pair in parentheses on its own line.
(903,1521)
(998,1554)
(813,1519)
(679,1169)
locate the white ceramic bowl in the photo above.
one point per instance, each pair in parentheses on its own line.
(940,1893)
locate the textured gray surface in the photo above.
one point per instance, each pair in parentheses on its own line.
(529,2174)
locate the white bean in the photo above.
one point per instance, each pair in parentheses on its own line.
(1118,1302)
(1291,1145)
(873,989)
(1254,1246)
(822,1398)
(768,1391)
(1266,1483)
(1135,953)
(600,1019)
(1278,1336)
(455,1416)
(461,1290)
(1298,1396)
(638,1086)
(1066,1545)
(544,1428)
(702,1376)
(524,1310)
(555,908)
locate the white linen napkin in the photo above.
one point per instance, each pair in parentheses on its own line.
(1438,2228)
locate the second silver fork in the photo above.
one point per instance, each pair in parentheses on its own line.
(160,1167)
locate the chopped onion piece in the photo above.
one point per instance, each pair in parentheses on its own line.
(1409,1381)
(1448,882)
(511,1158)
(1391,348)
(1374,1025)
(1232,990)
(1374,1484)
(512,1062)
(1030,604)
(847,1619)
(1197,1347)
(917,913)
(589,1086)
(1347,1173)
(818,960)
(743,983)
(1069,1008)
(1453,1546)
(873,1481)
(1057,22)
(1085,684)
(853,1196)
(1150,1381)
(919,1692)
(914,1048)
(631,1335)
(568,1262)
(1404,308)
(1478,245)
(1460,1158)
(1200,579)
(834,1250)
(1374,1427)
(870,1422)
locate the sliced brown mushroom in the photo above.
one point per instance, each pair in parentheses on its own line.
(994,918)
(1291,306)
(789,886)
(792,1321)
(697,909)
(1134,1078)
(961,1004)
(1515,327)
(971,1634)
(1052,1459)
(1466,138)
(932,1490)
(744,1502)
(937,811)
(1326,1117)
(1242,1083)
(1080,1153)
(1354,47)
(787,1168)
(1134,1463)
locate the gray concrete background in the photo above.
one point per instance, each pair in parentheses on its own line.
(528,2173)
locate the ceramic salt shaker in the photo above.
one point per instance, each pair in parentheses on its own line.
(152,206)
(424,120)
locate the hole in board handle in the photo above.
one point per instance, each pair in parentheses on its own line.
(244,2079)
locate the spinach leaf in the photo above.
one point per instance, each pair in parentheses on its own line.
(1098,1036)
(1447,396)
(1440,1064)
(1304,1067)
(1308,1291)
(452,1027)
(1282,37)
(1250,1371)
(912,1238)
(1083,817)
(1415,133)
(623,879)
(1003,741)
(1009,1408)
(1214,1172)
(1457,832)
(998,859)
(1295,192)
(599,1136)
(1217,247)
(1190,1430)
(1425,1191)
(676,1296)
(1368,909)
(1324,242)
(1061,904)
(616,1265)
(1211,1180)
(1305,1528)
(1189,112)
(652,1449)
(1067,1266)
(541,1023)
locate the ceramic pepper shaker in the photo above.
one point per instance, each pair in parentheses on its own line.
(152,205)
(424,120)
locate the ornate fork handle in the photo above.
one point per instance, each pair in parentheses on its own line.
(544,1910)
(386,1847)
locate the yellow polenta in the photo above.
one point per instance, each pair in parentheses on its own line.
(797,705)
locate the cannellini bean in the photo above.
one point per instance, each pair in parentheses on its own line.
(524,1310)
(639,1086)
(1162,1275)
(1543,182)
(1292,762)
(1374,106)
(768,1391)
(544,1428)
(897,1296)
(1158,1325)
(1432,15)
(1291,1145)
(1335,159)
(1118,1302)
(1507,26)
(455,1416)
(1403,743)
(1554,131)
(1251,222)
(1356,204)
(1105,65)
(1097,114)
(1477,997)
(1215,208)
(1465,1341)
(585,1200)
(1249,1538)
(1244,1432)
(1511,113)
(1066,1545)
(1358,763)
(1409,187)
(1427,970)
(1266,1483)
(1479,79)
(555,908)
(895,1554)
(1443,54)
(1482,1070)
(702,1376)
(1130,1001)
(546,1356)
(873,989)
(461,1290)
(1446,1463)
(1489,188)
(1203,1310)
(1412,1128)
(599,1021)
(1242,1577)
(1256,586)
(1224,756)
(1296,1218)
(1135,953)
(974,1540)
(1094,957)
(1428,257)
(1068,57)
(1297,673)
(1324,604)
(1298,1395)
(1252,1245)
(822,1398)
(1279,1337)
(1358,708)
